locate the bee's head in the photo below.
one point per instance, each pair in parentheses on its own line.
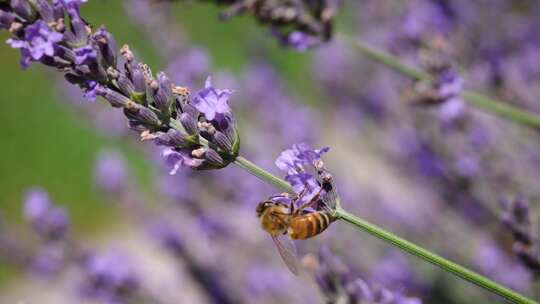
(262,206)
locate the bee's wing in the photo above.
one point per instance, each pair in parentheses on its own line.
(331,198)
(287,250)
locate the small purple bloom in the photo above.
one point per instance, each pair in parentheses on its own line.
(49,259)
(91,90)
(41,39)
(85,54)
(109,277)
(293,160)
(167,235)
(211,101)
(111,172)
(36,204)
(48,221)
(176,159)
(301,41)
(25,54)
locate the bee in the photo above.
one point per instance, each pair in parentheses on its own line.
(281,220)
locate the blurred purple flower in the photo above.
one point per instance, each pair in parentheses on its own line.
(48,221)
(110,172)
(338,282)
(301,41)
(264,281)
(49,259)
(494,263)
(109,277)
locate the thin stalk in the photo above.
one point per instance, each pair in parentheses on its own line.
(395,240)
(503,109)
(263,175)
(432,258)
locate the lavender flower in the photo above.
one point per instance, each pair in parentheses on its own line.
(48,221)
(200,134)
(49,259)
(296,161)
(516,218)
(109,277)
(111,172)
(339,284)
(293,22)
(213,103)
(208,278)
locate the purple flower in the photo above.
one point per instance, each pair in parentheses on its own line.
(109,277)
(85,54)
(25,54)
(267,281)
(301,41)
(176,159)
(293,160)
(212,102)
(48,221)
(49,259)
(167,235)
(111,172)
(91,90)
(41,39)
(296,161)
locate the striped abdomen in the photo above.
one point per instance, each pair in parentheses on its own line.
(309,225)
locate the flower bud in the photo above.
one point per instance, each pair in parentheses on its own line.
(213,157)
(23,9)
(141,114)
(163,97)
(222,141)
(172,138)
(125,85)
(46,11)
(136,75)
(76,35)
(107,45)
(116,99)
(189,123)
(6,19)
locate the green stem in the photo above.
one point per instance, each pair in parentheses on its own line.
(395,240)
(503,109)
(432,258)
(263,175)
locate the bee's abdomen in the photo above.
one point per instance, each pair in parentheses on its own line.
(309,225)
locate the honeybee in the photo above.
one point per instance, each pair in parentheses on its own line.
(285,223)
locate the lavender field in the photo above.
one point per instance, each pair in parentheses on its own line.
(270,151)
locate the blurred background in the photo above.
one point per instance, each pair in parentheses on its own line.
(444,175)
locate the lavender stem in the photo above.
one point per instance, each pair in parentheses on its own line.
(263,175)
(503,109)
(395,240)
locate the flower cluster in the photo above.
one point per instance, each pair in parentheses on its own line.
(299,162)
(109,277)
(516,218)
(199,133)
(299,24)
(51,224)
(340,284)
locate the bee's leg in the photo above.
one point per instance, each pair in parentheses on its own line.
(302,193)
(298,198)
